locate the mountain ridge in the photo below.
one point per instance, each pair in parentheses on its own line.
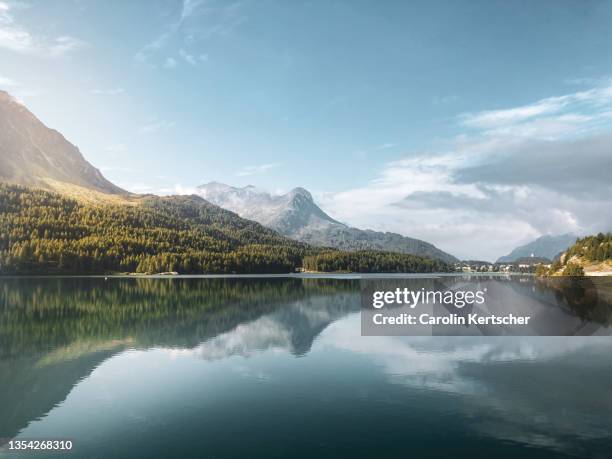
(297,216)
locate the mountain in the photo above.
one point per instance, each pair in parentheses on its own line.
(290,214)
(32,154)
(296,215)
(544,246)
(42,232)
(59,215)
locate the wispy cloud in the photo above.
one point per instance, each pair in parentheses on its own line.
(108,92)
(254,170)
(150,48)
(16,38)
(156,126)
(214,18)
(495,118)
(189,8)
(189,58)
(170,63)
(578,107)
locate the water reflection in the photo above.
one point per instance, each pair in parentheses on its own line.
(79,356)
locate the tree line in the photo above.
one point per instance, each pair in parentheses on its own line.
(372,261)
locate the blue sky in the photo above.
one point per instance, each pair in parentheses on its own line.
(394,114)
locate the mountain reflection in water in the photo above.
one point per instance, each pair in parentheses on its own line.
(173,367)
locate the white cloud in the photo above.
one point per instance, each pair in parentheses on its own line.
(16,38)
(180,189)
(254,170)
(147,188)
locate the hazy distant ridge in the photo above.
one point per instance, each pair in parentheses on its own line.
(544,246)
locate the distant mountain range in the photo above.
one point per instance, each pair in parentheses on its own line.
(297,216)
(34,155)
(545,246)
(59,215)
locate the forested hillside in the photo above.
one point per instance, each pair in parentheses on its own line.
(590,255)
(592,248)
(43,232)
(46,233)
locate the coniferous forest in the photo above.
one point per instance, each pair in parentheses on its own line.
(47,233)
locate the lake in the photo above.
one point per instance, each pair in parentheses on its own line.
(276,367)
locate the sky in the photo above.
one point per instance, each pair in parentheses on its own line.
(474,125)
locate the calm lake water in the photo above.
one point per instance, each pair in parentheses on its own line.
(277,368)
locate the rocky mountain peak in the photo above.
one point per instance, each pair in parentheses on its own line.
(300,192)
